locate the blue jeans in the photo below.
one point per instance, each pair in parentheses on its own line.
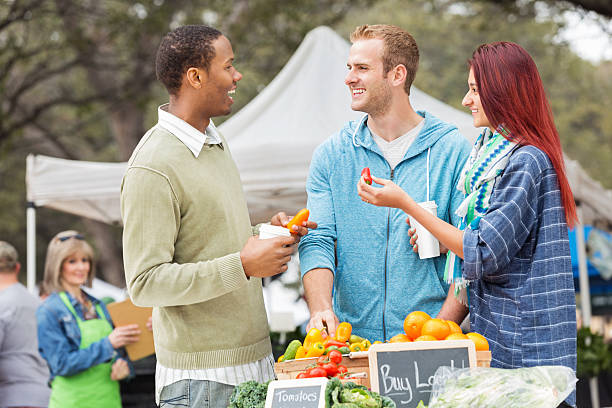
(195,394)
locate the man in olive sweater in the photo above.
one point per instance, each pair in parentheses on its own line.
(189,249)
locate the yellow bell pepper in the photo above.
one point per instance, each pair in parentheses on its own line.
(365,345)
(316,350)
(300,353)
(314,336)
(343,331)
(281,359)
(356,347)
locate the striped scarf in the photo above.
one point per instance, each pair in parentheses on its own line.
(483,169)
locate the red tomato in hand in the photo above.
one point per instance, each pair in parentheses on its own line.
(365,173)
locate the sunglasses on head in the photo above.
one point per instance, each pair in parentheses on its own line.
(76,236)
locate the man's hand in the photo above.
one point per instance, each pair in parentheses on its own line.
(281,219)
(267,257)
(324,319)
(119,370)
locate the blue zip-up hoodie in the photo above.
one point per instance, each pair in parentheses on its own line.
(378,279)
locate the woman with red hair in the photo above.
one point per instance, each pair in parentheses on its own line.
(513,240)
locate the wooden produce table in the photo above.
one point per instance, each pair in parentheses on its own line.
(357,364)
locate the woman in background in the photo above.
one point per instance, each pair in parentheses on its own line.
(513,237)
(75,331)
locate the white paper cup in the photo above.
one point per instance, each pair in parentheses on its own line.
(429,247)
(272,231)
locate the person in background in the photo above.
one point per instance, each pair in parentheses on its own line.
(23,372)
(189,248)
(513,235)
(360,256)
(75,330)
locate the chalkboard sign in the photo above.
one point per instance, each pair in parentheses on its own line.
(404,371)
(303,393)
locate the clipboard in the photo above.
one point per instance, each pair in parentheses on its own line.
(124,313)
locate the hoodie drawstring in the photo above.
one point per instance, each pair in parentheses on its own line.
(428,152)
(357,130)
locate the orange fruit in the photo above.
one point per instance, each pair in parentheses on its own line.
(481,343)
(426,337)
(400,338)
(414,322)
(457,336)
(437,328)
(454,327)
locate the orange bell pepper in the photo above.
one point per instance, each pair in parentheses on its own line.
(298,219)
(343,331)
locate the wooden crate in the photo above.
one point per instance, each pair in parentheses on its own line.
(483,358)
(356,363)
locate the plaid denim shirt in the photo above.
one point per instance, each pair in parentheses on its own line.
(522,296)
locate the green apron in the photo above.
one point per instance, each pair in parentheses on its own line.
(93,387)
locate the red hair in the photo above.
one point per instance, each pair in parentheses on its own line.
(513,96)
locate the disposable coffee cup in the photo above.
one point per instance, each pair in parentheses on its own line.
(267,231)
(429,247)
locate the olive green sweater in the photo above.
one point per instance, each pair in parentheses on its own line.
(185,222)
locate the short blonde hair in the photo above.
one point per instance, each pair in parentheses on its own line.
(63,245)
(399,47)
(8,257)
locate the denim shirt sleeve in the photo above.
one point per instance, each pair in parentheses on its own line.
(317,248)
(59,339)
(507,224)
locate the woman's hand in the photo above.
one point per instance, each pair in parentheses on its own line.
(123,335)
(413,237)
(413,240)
(119,370)
(389,195)
(150,323)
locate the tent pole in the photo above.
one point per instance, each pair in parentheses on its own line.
(585,294)
(31,246)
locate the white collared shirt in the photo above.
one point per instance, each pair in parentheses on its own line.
(190,136)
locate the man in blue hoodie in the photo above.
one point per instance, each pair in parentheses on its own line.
(360,256)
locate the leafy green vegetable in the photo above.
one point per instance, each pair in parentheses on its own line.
(543,386)
(249,394)
(332,385)
(351,395)
(362,398)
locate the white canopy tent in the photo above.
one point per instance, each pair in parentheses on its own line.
(272,140)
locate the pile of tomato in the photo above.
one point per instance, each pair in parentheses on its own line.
(326,366)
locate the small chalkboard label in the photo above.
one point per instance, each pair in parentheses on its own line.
(303,393)
(404,371)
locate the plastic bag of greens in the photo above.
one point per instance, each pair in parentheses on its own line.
(544,386)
